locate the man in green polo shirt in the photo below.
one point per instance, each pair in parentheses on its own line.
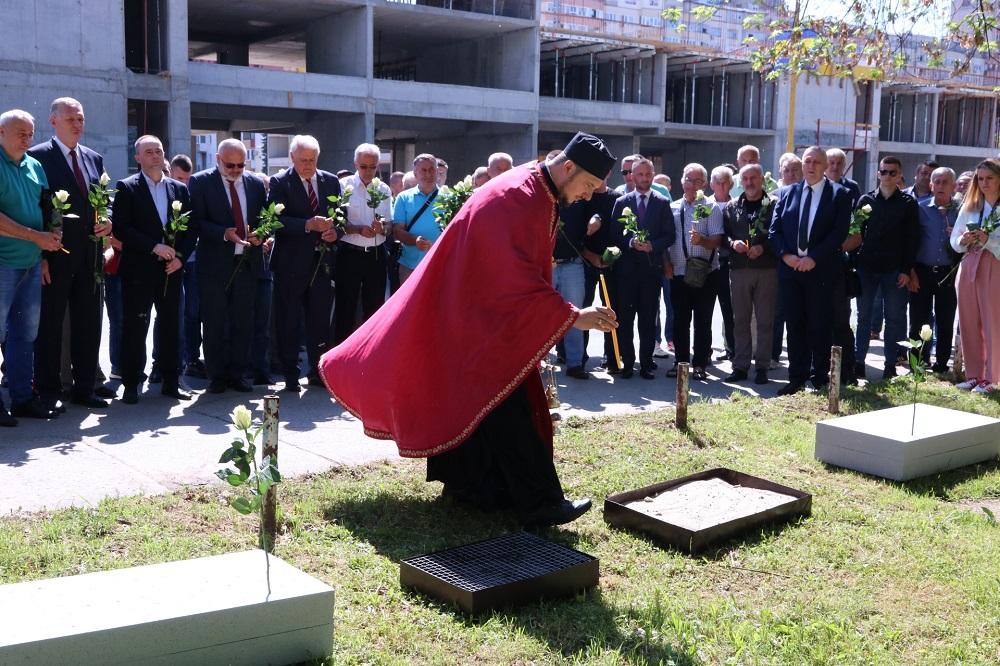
(22,239)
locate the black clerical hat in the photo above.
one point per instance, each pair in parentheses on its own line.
(590,153)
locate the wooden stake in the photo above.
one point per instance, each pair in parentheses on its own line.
(269,526)
(959,368)
(681,419)
(833,397)
(614,332)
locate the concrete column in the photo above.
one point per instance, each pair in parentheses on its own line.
(932,139)
(511,60)
(178,137)
(341,43)
(659,96)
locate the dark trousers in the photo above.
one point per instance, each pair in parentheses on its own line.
(139,294)
(726,305)
(592,285)
(73,286)
(359,275)
(693,304)
(942,299)
(113,305)
(227,316)
(638,290)
(292,295)
(260,350)
(843,335)
(809,319)
(504,463)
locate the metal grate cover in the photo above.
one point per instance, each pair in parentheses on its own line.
(512,569)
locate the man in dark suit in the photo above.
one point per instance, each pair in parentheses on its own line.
(303,269)
(226,205)
(144,205)
(845,281)
(637,273)
(68,279)
(809,225)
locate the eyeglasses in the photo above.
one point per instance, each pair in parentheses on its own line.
(888,172)
(234,165)
(626,172)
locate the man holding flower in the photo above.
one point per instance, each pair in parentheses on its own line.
(149,217)
(22,240)
(71,278)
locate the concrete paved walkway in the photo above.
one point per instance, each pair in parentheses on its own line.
(160,445)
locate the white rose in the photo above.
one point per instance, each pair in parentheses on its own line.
(926,333)
(62,196)
(279,208)
(241,417)
(176,206)
(626,211)
(467,181)
(767,175)
(867,208)
(376,182)
(700,194)
(105,179)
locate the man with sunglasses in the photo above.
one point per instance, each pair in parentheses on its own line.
(226,204)
(887,248)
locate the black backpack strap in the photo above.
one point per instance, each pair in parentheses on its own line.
(420,212)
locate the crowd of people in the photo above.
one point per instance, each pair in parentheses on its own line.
(243,270)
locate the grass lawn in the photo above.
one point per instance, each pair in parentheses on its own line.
(882,573)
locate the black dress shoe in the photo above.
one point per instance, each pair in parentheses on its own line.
(557,513)
(131,395)
(760,377)
(195,369)
(292,386)
(155,376)
(626,373)
(240,385)
(89,401)
(578,373)
(55,404)
(6,420)
(217,386)
(736,376)
(614,370)
(262,380)
(646,374)
(33,409)
(859,370)
(174,392)
(791,389)
(104,391)
(889,372)
(316,381)
(940,369)
(821,387)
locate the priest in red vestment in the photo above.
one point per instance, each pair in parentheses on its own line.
(448,367)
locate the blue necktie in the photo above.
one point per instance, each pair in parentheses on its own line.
(642,209)
(804,220)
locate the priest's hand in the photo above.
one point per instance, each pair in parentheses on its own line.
(596,318)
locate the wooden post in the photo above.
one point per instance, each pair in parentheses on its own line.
(269,525)
(959,368)
(681,419)
(833,397)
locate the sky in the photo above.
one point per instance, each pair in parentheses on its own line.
(933,24)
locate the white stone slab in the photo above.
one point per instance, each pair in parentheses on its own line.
(879,442)
(210,610)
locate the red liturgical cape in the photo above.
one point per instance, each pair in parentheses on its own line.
(467,328)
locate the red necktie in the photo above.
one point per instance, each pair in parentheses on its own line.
(241,227)
(80,182)
(313,201)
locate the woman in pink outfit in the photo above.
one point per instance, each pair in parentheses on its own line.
(977,235)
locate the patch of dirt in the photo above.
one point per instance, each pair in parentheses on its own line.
(976,506)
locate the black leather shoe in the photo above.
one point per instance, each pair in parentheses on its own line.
(240,385)
(889,372)
(292,386)
(217,386)
(104,392)
(195,369)
(791,389)
(821,387)
(614,370)
(940,369)
(859,370)
(33,409)
(6,420)
(131,395)
(174,392)
(55,404)
(316,381)
(155,376)
(557,513)
(736,376)
(577,373)
(89,401)
(647,374)
(760,377)
(262,380)
(626,373)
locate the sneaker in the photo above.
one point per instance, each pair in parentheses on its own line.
(670,346)
(660,352)
(968,384)
(875,335)
(775,364)
(985,387)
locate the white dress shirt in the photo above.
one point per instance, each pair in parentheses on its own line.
(361,214)
(241,194)
(160,198)
(69,160)
(813,205)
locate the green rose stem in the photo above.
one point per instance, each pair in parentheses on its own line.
(917,365)
(99,196)
(60,203)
